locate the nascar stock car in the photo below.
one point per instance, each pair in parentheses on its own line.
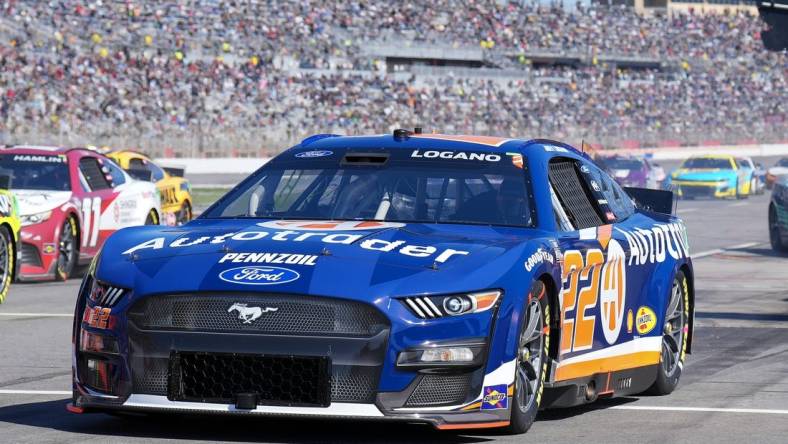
(633,171)
(9,236)
(773,174)
(461,281)
(175,191)
(715,176)
(778,215)
(70,201)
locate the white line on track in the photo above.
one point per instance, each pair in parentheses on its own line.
(700,409)
(740,204)
(686,210)
(722,250)
(38,315)
(35,392)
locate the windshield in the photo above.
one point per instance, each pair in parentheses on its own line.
(707,163)
(36,172)
(620,163)
(397,189)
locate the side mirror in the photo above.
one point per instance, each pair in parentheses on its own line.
(658,201)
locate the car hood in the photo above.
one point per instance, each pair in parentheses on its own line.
(363,260)
(703,174)
(38,201)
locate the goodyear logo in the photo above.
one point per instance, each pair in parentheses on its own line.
(646,320)
(495,397)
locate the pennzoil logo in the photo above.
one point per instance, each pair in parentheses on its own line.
(646,320)
(495,397)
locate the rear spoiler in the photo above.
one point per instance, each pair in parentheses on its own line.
(175,171)
(658,201)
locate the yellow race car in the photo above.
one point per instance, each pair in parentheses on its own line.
(175,190)
(9,236)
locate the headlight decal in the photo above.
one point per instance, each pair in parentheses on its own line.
(431,307)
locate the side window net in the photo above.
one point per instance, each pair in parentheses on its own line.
(573,195)
(94,177)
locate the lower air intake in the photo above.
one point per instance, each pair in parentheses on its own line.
(435,390)
(276,380)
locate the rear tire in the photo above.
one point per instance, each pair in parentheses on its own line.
(775,234)
(68,249)
(6,262)
(152,218)
(185,214)
(674,338)
(532,357)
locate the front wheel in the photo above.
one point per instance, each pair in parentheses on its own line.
(532,356)
(674,338)
(6,262)
(67,249)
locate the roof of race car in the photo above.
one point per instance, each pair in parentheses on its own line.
(43,149)
(402,139)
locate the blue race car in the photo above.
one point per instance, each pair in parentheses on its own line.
(715,176)
(461,281)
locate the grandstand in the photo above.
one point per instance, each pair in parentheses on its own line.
(210,78)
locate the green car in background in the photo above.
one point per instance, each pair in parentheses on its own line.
(9,238)
(778,216)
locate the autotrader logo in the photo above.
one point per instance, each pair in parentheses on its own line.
(259,275)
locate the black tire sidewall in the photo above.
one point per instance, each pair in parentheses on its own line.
(666,384)
(521,420)
(5,284)
(65,274)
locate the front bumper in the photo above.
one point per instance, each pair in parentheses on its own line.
(361,375)
(38,250)
(690,189)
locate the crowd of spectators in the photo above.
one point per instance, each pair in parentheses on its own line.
(269,72)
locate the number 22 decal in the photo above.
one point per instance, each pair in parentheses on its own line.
(606,285)
(91,221)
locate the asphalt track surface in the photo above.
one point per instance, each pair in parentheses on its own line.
(734,387)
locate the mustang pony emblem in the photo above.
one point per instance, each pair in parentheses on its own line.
(249,314)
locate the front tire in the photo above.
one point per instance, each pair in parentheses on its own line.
(68,251)
(674,338)
(185,213)
(532,357)
(6,262)
(775,234)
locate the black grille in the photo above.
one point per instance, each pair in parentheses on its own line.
(573,195)
(697,191)
(440,390)
(30,255)
(348,383)
(293,314)
(276,380)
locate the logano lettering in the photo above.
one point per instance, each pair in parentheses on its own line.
(456,155)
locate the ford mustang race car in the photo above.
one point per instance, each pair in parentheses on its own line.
(9,237)
(461,281)
(713,176)
(70,201)
(175,191)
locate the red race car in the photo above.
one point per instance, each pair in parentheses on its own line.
(70,201)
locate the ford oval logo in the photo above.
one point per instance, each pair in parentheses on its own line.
(310,154)
(259,275)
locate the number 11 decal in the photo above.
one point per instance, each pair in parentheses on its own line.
(91,221)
